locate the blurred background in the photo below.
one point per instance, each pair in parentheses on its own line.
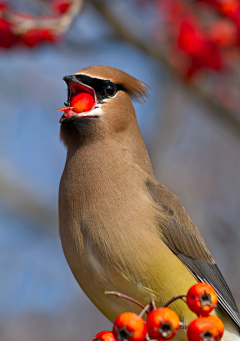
(188,53)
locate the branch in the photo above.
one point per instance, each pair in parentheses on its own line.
(58,25)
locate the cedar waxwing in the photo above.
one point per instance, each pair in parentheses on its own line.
(120,228)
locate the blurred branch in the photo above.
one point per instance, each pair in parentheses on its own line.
(58,24)
(129,30)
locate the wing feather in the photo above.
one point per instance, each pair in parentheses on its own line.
(181,235)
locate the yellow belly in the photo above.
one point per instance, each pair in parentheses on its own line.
(160,276)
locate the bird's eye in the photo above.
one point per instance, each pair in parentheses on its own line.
(110,90)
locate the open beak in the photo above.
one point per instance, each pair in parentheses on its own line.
(75,86)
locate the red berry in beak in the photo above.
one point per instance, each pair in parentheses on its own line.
(83,101)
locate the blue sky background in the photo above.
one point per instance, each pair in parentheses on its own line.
(35,278)
(192,154)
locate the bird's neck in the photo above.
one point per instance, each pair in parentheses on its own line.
(124,145)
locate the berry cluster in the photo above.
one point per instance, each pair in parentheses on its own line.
(193,42)
(26,29)
(163,323)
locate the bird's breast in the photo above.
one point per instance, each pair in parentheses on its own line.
(108,228)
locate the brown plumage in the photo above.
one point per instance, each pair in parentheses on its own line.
(120,228)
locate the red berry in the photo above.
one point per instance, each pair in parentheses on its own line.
(224,33)
(162,323)
(194,42)
(32,37)
(3,6)
(218,324)
(105,335)
(202,329)
(202,299)
(83,101)
(7,37)
(60,6)
(129,326)
(49,36)
(229,7)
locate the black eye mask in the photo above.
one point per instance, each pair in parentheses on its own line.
(104,88)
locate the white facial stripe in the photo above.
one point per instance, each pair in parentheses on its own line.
(95,112)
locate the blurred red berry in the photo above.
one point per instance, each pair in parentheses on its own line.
(7,37)
(129,326)
(3,6)
(229,7)
(49,36)
(60,6)
(202,329)
(191,38)
(162,323)
(201,298)
(105,335)
(32,37)
(224,33)
(194,42)
(218,324)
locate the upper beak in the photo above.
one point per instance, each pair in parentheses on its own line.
(70,78)
(75,86)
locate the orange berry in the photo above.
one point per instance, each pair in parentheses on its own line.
(162,323)
(202,329)
(105,335)
(217,323)
(201,299)
(129,326)
(83,101)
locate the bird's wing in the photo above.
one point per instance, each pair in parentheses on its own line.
(183,238)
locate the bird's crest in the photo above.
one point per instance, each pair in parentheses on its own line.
(136,89)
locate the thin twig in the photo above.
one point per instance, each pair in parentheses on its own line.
(145,310)
(118,294)
(152,304)
(179,297)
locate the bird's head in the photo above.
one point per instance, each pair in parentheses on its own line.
(99,103)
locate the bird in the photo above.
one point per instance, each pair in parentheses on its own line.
(122,230)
